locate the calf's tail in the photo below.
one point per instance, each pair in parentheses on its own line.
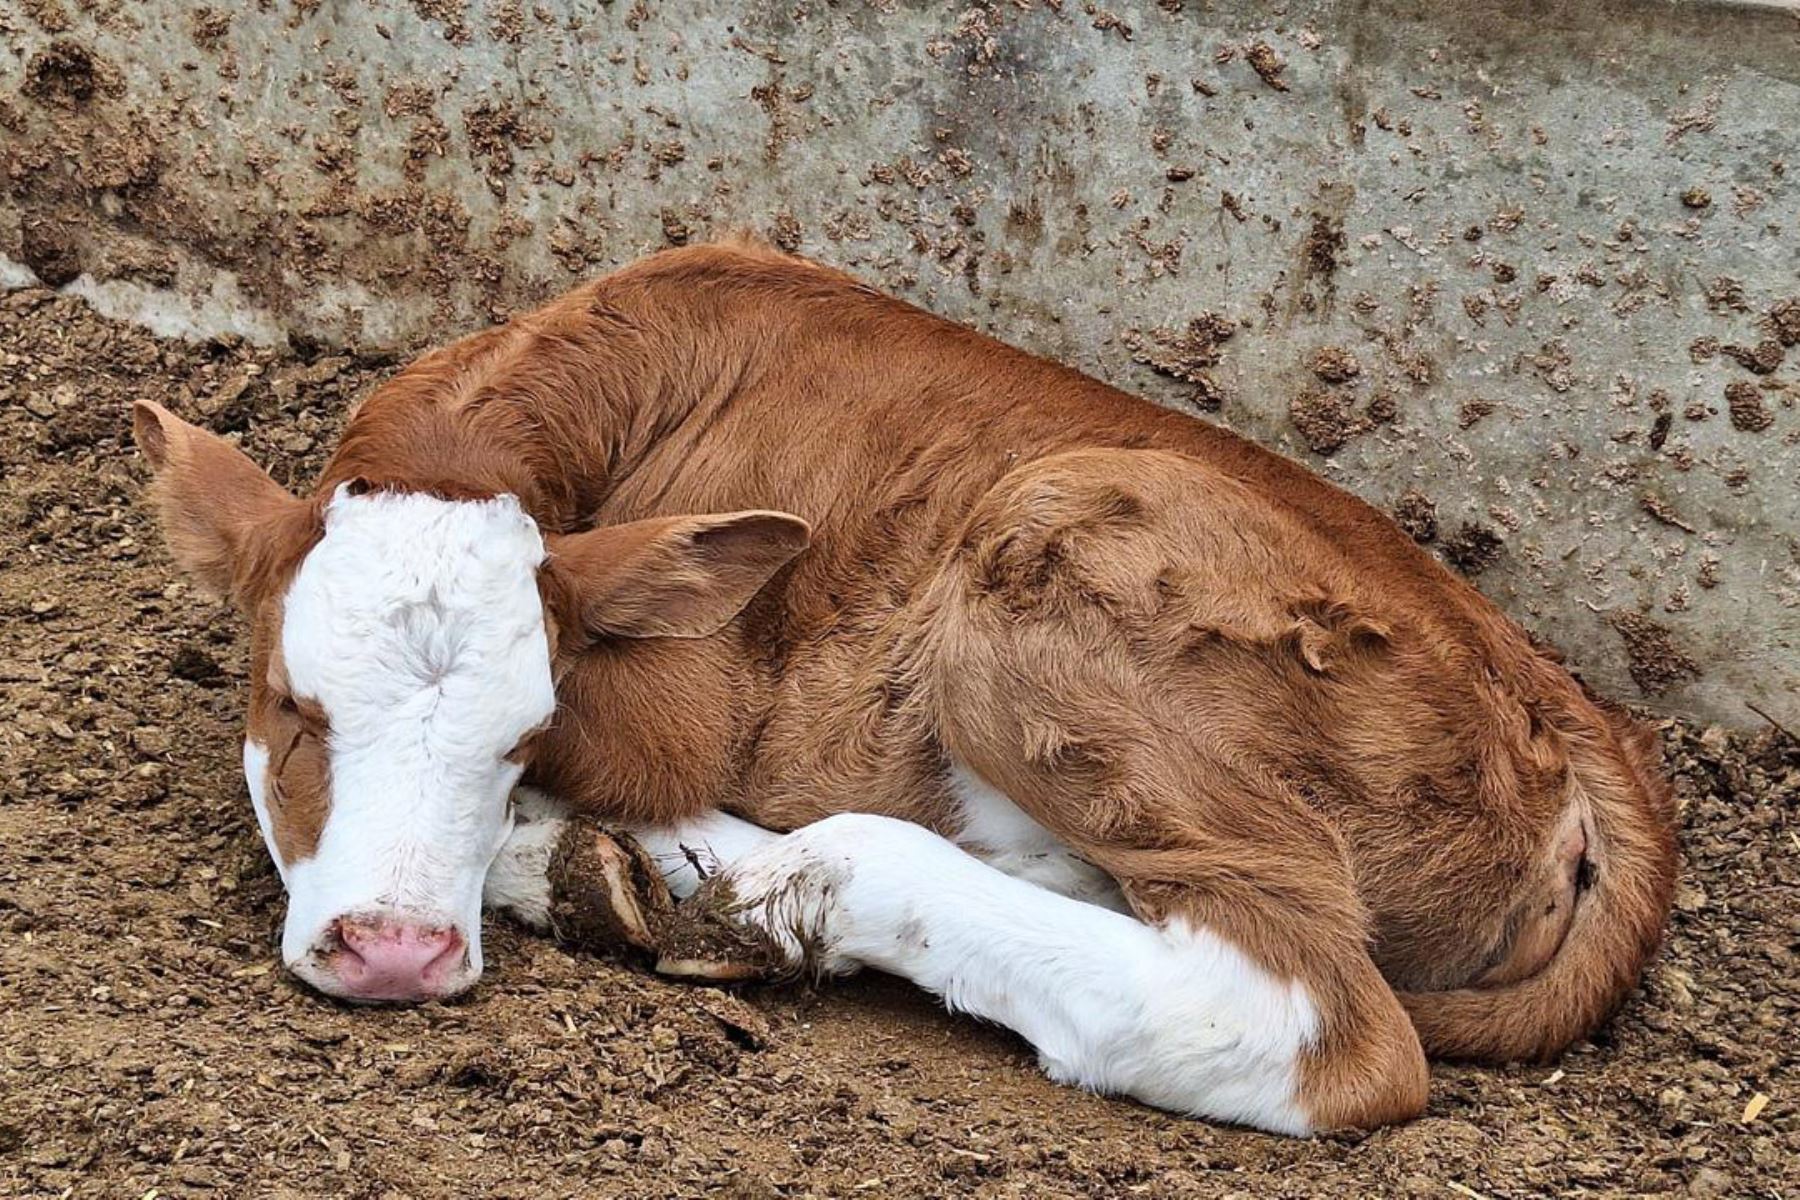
(1617,925)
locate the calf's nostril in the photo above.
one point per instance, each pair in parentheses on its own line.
(447,959)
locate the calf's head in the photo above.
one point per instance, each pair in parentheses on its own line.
(404,650)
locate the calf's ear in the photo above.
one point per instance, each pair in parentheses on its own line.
(214,503)
(680,577)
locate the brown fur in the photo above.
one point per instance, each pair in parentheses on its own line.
(1242,692)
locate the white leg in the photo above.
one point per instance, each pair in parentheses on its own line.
(1176,1017)
(686,853)
(518,880)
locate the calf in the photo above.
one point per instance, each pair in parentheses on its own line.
(1094,719)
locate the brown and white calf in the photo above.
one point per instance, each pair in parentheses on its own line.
(1094,719)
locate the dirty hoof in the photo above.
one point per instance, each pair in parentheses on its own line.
(706,940)
(710,970)
(605,891)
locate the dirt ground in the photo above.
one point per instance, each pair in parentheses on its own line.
(150,1045)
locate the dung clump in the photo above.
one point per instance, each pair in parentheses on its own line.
(1334,364)
(1470,413)
(1267,64)
(45,247)
(1324,243)
(65,74)
(1416,515)
(1761,359)
(786,232)
(1183,353)
(1187,354)
(1784,321)
(1473,548)
(1748,412)
(1325,420)
(1656,663)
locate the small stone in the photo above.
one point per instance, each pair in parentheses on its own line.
(151,740)
(214,402)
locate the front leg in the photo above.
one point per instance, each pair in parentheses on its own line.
(1170,1015)
(564,874)
(605,888)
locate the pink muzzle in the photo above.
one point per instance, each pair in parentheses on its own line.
(381,959)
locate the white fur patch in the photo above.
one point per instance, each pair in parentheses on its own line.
(690,852)
(999,832)
(518,880)
(1174,1016)
(416,624)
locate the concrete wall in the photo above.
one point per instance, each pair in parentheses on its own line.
(1532,276)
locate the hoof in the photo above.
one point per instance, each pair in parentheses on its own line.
(710,970)
(605,891)
(708,941)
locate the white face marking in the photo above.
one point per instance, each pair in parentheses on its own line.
(415,623)
(256,775)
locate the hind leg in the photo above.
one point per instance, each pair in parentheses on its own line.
(1052,681)
(1274,941)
